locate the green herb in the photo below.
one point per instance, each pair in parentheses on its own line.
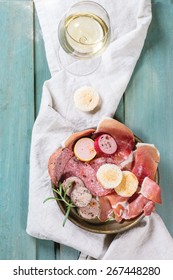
(62,196)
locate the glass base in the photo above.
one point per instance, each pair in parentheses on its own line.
(76,66)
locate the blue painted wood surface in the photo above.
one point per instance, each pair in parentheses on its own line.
(17,117)
(146,107)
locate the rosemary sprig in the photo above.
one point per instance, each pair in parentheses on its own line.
(62,196)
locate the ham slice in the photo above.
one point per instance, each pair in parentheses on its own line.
(124,208)
(151,190)
(146,161)
(122,135)
(137,206)
(128,163)
(118,204)
(149,208)
(106,211)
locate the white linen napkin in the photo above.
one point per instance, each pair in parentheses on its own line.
(58,118)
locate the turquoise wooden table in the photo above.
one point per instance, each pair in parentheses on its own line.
(146,107)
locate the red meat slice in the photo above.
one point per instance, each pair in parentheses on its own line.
(97,162)
(122,134)
(118,204)
(105,145)
(123,209)
(146,161)
(137,206)
(87,174)
(106,210)
(127,164)
(149,208)
(151,190)
(57,163)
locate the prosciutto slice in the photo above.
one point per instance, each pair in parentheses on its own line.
(127,164)
(122,135)
(137,206)
(146,161)
(118,204)
(106,211)
(149,208)
(151,190)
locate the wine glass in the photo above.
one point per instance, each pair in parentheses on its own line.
(84,33)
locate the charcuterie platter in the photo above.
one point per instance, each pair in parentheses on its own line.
(105,180)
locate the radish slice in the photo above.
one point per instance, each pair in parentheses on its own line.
(84,149)
(105,144)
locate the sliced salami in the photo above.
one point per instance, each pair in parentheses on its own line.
(87,174)
(105,144)
(57,163)
(97,162)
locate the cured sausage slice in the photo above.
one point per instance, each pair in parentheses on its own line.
(69,183)
(91,211)
(76,190)
(87,174)
(80,196)
(105,145)
(121,133)
(52,164)
(57,163)
(97,162)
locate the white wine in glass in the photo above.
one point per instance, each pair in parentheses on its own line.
(84,33)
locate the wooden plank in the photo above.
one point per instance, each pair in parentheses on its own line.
(17,116)
(120,112)
(45,249)
(42,72)
(149,99)
(67,253)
